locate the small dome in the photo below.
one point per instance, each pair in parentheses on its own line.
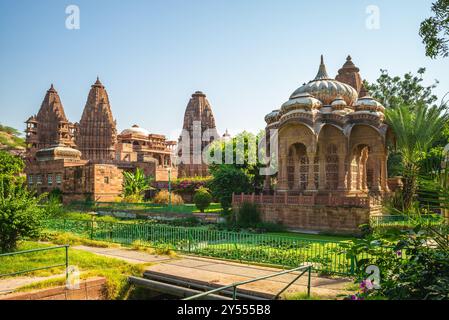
(57,152)
(136,130)
(301,101)
(326,89)
(369,104)
(339,102)
(272,116)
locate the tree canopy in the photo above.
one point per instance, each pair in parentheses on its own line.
(434,30)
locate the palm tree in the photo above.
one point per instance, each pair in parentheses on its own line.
(135,184)
(415,134)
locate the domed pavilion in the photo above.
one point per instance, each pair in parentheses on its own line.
(331,155)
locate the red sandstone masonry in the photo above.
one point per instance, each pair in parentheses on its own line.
(91,289)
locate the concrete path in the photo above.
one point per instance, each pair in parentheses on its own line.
(8,285)
(128,255)
(217,273)
(211,272)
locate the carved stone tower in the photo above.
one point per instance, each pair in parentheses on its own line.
(96,134)
(198,132)
(50,126)
(349,74)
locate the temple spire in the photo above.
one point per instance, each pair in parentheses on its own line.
(322,73)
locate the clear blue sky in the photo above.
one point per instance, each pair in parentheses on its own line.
(248,56)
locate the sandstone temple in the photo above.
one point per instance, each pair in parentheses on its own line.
(331,155)
(85,160)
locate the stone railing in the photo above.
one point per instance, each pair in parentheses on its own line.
(307,200)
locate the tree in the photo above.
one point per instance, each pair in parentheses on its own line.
(415,134)
(227,179)
(393,91)
(202,198)
(135,185)
(434,31)
(10,165)
(245,150)
(20,213)
(409,90)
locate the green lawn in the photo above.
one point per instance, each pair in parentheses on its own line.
(89,264)
(311,236)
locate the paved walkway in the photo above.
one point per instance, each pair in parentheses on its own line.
(217,273)
(208,271)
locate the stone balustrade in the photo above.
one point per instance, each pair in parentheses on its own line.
(308,200)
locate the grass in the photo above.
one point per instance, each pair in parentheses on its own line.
(312,236)
(147,207)
(304,296)
(114,270)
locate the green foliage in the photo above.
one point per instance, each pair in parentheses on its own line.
(434,31)
(227,179)
(413,264)
(10,138)
(116,271)
(244,149)
(20,213)
(202,198)
(415,134)
(9,164)
(135,184)
(395,91)
(248,215)
(189,185)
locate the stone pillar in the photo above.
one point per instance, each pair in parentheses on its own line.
(322,175)
(311,172)
(341,172)
(376,172)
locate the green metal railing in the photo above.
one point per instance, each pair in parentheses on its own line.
(142,207)
(404,221)
(235,285)
(328,257)
(66,263)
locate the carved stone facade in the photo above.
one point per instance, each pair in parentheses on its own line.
(199,131)
(50,126)
(92,167)
(96,133)
(331,144)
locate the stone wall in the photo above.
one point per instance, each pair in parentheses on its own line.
(338,220)
(91,289)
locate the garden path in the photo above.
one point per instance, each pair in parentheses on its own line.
(215,272)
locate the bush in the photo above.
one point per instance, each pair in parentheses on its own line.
(202,198)
(413,264)
(20,213)
(226,180)
(163,196)
(248,215)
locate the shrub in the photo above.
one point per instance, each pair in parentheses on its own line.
(163,196)
(226,180)
(202,198)
(248,215)
(413,264)
(20,213)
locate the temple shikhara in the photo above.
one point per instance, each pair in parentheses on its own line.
(331,152)
(198,132)
(85,160)
(332,155)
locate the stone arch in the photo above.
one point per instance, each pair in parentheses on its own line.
(297,167)
(367,159)
(294,134)
(332,158)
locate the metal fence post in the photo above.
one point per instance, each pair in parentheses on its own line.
(66,263)
(308,281)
